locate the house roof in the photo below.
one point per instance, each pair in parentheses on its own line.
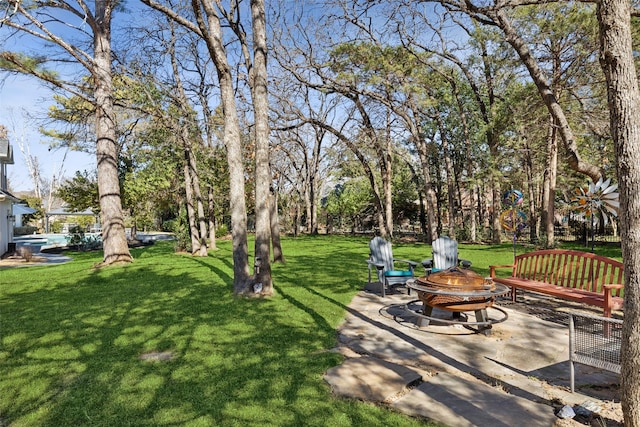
(4,195)
(64,211)
(23,210)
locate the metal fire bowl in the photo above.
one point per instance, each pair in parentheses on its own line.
(456,289)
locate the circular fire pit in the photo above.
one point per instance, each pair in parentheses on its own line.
(458,290)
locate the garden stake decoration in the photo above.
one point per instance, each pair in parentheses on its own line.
(513,219)
(599,200)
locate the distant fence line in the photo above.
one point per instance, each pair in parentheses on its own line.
(562,233)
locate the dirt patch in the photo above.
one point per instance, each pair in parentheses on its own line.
(18,261)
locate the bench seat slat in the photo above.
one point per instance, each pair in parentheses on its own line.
(568,274)
(571,294)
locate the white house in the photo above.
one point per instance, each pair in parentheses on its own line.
(6,199)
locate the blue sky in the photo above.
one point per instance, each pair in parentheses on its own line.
(19,96)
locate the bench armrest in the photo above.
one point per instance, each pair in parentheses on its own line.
(608,297)
(492,269)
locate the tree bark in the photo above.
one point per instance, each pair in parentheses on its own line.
(617,61)
(212,33)
(549,185)
(114,239)
(212,219)
(471,187)
(263,172)
(202,221)
(278,255)
(188,191)
(449,176)
(191,180)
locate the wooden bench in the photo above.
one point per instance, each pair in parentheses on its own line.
(571,275)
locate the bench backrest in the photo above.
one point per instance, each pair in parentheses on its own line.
(570,269)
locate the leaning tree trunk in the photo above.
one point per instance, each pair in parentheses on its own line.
(617,60)
(114,239)
(546,92)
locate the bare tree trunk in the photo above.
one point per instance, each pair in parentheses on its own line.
(449,176)
(212,219)
(313,203)
(549,185)
(313,170)
(617,60)
(212,33)
(296,220)
(430,210)
(496,208)
(386,170)
(202,221)
(191,181)
(259,93)
(278,256)
(114,239)
(531,190)
(471,188)
(430,196)
(191,216)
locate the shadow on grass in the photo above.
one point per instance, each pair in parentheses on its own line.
(73,337)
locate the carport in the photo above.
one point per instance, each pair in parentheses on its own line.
(63,211)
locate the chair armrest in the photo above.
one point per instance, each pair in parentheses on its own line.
(492,269)
(427,263)
(413,263)
(378,265)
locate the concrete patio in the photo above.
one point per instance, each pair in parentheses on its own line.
(518,375)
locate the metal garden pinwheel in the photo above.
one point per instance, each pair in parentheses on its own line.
(599,200)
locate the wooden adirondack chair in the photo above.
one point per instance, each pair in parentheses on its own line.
(382,262)
(444,255)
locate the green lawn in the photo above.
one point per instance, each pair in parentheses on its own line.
(72,337)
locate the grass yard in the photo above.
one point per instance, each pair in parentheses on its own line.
(74,340)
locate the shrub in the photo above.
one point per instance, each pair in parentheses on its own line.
(26,253)
(80,241)
(222,230)
(24,230)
